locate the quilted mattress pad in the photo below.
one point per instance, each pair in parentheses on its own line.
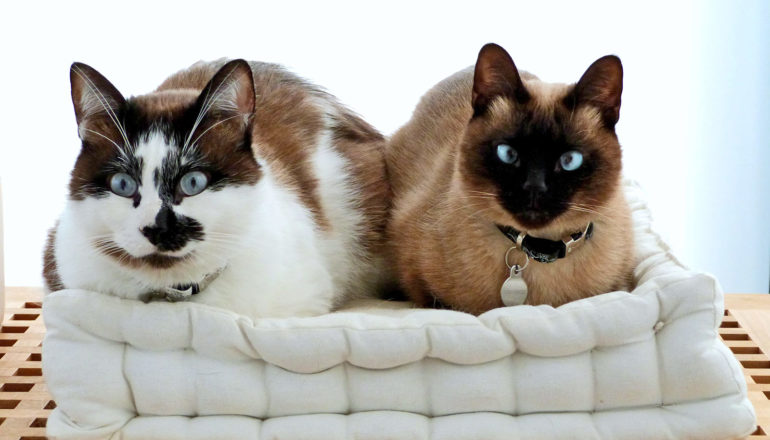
(645,364)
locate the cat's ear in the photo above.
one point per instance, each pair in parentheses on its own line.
(495,75)
(601,86)
(230,92)
(92,94)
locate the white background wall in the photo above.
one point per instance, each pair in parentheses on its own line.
(694,125)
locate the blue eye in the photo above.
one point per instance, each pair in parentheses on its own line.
(506,153)
(193,183)
(123,185)
(571,160)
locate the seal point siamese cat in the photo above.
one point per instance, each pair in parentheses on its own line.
(503,181)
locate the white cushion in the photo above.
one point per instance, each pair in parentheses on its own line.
(642,365)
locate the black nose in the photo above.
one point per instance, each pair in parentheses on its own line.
(535,188)
(171,232)
(164,234)
(535,182)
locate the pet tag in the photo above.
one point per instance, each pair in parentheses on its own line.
(514,290)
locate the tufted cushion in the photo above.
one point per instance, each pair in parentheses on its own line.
(641,365)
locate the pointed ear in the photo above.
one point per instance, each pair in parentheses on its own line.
(495,75)
(230,91)
(601,87)
(92,94)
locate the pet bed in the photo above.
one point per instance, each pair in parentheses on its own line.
(641,365)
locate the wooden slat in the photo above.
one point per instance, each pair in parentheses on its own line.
(24,399)
(751,314)
(757,325)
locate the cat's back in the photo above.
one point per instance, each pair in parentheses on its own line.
(269,78)
(425,143)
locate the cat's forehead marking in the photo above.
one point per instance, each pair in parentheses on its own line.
(153,151)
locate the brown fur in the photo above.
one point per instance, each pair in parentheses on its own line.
(364,148)
(290,115)
(442,234)
(95,153)
(50,275)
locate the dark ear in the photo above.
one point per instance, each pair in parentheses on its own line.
(601,87)
(230,92)
(495,75)
(92,94)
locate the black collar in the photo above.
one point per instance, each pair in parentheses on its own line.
(176,293)
(194,288)
(542,249)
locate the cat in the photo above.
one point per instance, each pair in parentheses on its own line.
(235,184)
(491,153)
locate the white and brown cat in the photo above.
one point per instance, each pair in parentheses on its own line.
(489,151)
(236,182)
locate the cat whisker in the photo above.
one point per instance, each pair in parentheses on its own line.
(194,143)
(588,211)
(105,137)
(482,193)
(224,235)
(228,245)
(476,198)
(586,206)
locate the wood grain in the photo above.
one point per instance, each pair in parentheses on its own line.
(24,399)
(746,330)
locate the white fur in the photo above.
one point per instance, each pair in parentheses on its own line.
(278,262)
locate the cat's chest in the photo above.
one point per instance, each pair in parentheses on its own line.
(552,283)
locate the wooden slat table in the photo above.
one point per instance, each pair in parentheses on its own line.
(746,330)
(24,399)
(25,402)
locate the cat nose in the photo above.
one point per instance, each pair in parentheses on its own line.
(535,182)
(165,221)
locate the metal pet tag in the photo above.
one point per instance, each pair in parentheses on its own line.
(514,290)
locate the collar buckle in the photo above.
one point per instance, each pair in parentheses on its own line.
(572,240)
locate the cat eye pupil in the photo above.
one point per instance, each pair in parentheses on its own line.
(571,160)
(506,153)
(193,183)
(123,185)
